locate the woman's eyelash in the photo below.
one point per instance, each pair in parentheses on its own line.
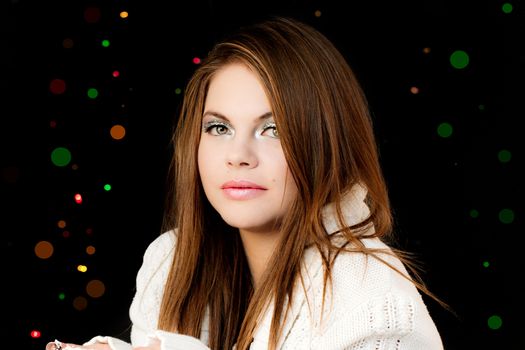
(207,127)
(214,127)
(270,125)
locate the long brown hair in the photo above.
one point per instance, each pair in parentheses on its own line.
(328,141)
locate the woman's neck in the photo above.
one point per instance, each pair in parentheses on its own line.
(258,247)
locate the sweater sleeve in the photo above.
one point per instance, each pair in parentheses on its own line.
(376,308)
(114,343)
(394,321)
(144,309)
(150,281)
(173,341)
(167,340)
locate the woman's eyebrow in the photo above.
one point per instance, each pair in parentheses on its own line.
(223,117)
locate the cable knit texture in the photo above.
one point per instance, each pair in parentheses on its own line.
(372,307)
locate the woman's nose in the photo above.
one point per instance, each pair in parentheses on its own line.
(242,154)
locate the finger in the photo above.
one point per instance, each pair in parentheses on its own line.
(51,346)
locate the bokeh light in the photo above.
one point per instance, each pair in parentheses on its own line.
(117,132)
(92,14)
(494,322)
(506,216)
(35,333)
(80,303)
(459,59)
(68,43)
(57,86)
(444,130)
(90,250)
(78,198)
(44,249)
(82,268)
(504,156)
(95,288)
(507,7)
(61,156)
(92,93)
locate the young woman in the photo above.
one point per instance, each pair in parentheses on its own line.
(277,229)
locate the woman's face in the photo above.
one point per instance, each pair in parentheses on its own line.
(241,162)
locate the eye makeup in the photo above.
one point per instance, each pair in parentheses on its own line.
(218,127)
(270,125)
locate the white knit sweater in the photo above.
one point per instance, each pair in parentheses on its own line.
(372,307)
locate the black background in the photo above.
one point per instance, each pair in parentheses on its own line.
(434,182)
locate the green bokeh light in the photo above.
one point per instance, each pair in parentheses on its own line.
(444,130)
(507,7)
(61,156)
(105,43)
(506,216)
(474,213)
(107,187)
(504,156)
(92,93)
(481,107)
(494,322)
(486,264)
(459,59)
(178,91)
(61,296)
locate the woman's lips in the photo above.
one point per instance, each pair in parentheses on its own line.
(242,190)
(242,193)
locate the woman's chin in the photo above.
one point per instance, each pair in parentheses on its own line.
(255,226)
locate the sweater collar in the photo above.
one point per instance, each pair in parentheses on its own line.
(354,210)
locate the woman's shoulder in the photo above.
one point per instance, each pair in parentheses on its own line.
(162,245)
(150,281)
(371,274)
(365,288)
(379,289)
(157,258)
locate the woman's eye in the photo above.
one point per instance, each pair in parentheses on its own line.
(217,129)
(271,130)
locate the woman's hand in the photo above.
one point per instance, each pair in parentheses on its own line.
(153,345)
(68,346)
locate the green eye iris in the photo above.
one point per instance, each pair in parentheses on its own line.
(219,130)
(271,129)
(216,128)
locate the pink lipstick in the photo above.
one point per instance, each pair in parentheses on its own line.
(242,190)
